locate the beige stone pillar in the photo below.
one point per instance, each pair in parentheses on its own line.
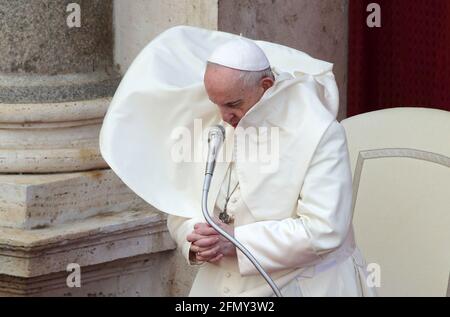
(137,22)
(59,203)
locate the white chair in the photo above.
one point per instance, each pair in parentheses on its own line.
(401,197)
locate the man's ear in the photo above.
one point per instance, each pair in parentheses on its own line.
(266,83)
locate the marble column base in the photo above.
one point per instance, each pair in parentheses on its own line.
(51,137)
(40,201)
(125,254)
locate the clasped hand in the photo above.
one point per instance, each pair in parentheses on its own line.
(208,245)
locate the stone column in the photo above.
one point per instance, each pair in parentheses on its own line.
(55,84)
(59,203)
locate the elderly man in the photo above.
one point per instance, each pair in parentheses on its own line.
(296,219)
(237,76)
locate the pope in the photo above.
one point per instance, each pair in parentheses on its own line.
(296,219)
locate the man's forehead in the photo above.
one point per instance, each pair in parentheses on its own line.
(222,80)
(213,70)
(225,95)
(223,86)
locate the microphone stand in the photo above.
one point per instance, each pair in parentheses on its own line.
(210,221)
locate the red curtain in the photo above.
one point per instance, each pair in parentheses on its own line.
(406,62)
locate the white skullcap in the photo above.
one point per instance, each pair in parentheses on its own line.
(241,54)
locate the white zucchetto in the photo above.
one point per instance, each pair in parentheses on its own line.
(242,54)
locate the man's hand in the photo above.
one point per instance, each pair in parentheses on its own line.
(208,245)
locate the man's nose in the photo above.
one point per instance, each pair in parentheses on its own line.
(226,114)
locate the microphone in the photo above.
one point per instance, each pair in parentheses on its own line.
(216,137)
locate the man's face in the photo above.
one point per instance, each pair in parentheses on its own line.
(225,89)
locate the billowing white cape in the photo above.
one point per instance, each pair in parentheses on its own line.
(163,90)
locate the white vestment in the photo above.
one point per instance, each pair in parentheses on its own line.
(296,219)
(324,212)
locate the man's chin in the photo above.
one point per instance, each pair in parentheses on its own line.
(233,124)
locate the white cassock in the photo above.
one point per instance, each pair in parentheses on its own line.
(294,218)
(319,229)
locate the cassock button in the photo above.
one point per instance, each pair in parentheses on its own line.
(228,274)
(234,200)
(226,290)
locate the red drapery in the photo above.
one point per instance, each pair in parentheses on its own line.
(406,62)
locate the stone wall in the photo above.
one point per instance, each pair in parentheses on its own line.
(137,22)
(319,28)
(59,203)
